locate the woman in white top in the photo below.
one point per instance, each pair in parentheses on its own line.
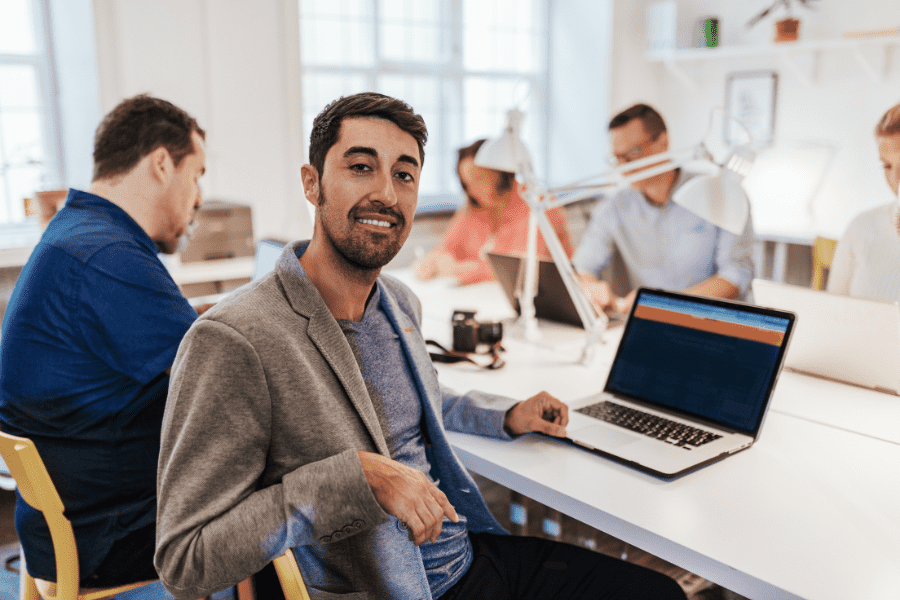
(867,260)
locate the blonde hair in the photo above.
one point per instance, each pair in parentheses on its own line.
(889,123)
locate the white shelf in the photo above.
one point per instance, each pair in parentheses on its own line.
(870,52)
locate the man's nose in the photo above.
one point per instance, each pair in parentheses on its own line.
(385,193)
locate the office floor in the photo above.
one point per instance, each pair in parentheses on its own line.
(498,499)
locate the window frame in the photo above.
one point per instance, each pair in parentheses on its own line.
(451,72)
(42,61)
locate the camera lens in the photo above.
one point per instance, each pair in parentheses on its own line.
(490,333)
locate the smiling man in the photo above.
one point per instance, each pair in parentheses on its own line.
(305,414)
(90,333)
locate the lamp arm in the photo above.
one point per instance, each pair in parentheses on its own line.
(613,176)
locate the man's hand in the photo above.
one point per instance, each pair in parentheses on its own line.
(597,291)
(542,413)
(407,494)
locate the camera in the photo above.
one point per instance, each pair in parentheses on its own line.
(468,333)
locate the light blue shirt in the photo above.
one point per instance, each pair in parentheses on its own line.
(665,247)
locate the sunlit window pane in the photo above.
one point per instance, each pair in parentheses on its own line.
(410,30)
(18,87)
(21,136)
(17,27)
(502,35)
(461,65)
(22,184)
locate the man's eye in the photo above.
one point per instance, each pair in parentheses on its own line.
(405,176)
(360,167)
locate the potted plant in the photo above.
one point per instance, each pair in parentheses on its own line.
(787,29)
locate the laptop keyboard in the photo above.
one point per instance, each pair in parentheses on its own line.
(672,432)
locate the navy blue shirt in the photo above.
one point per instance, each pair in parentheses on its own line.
(93,323)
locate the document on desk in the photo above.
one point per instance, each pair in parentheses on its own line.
(690,383)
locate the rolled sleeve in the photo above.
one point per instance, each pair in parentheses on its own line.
(476,412)
(734,257)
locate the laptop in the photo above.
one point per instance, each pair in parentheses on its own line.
(690,383)
(853,340)
(265,258)
(552,301)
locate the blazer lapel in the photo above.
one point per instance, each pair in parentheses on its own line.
(327,336)
(422,369)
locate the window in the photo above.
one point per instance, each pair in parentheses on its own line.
(461,64)
(29,159)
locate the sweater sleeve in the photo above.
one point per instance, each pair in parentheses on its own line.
(215,525)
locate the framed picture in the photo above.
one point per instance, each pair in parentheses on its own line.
(750,98)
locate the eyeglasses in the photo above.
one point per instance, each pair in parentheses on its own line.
(635,152)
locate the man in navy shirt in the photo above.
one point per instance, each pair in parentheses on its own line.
(89,337)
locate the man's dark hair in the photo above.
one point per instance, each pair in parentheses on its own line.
(327,125)
(889,124)
(506,178)
(137,127)
(652,120)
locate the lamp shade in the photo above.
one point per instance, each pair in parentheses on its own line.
(507,152)
(719,199)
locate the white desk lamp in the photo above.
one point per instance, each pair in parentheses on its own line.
(711,197)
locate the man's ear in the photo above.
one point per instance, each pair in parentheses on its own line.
(664,139)
(161,164)
(310,177)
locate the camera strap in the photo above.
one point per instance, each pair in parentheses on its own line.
(452,356)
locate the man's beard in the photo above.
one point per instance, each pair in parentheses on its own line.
(358,251)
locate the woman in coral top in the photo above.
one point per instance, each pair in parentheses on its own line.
(494,219)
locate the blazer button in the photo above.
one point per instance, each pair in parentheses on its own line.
(325,539)
(348,530)
(358,524)
(336,536)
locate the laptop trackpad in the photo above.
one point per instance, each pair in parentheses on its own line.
(606,438)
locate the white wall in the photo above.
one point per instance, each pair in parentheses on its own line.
(840,106)
(75,58)
(232,64)
(579,65)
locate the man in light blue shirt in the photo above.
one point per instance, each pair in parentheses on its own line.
(662,244)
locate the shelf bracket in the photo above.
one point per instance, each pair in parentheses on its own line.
(679,73)
(869,65)
(807,75)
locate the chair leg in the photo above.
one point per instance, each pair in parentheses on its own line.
(245,590)
(27,588)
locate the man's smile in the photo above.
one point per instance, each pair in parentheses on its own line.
(375,222)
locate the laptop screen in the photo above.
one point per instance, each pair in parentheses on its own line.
(267,254)
(703,358)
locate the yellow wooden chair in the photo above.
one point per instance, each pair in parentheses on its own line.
(289,575)
(823,253)
(37,489)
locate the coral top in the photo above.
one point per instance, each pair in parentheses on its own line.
(470,237)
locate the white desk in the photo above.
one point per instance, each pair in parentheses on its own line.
(810,511)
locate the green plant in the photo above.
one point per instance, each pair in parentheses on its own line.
(810,4)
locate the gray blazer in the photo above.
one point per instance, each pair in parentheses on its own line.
(266,411)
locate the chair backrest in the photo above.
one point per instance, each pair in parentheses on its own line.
(37,489)
(823,253)
(290,577)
